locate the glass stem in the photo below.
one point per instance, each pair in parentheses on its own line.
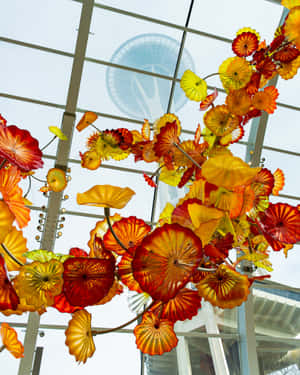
(3,163)
(2,348)
(95,333)
(206,269)
(11,255)
(107,213)
(29,187)
(38,179)
(187,155)
(49,143)
(210,75)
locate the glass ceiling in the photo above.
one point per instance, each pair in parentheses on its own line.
(136,53)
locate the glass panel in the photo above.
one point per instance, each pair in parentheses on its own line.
(127,36)
(57,359)
(35,74)
(283,129)
(168,10)
(278,358)
(200,357)
(32,21)
(276,311)
(206,18)
(34,118)
(287,89)
(82,180)
(286,270)
(123,93)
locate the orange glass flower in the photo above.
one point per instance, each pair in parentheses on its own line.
(10,341)
(20,148)
(8,296)
(79,336)
(165,260)
(106,196)
(279,181)
(6,220)
(238,102)
(224,288)
(220,120)
(88,280)
(38,283)
(90,160)
(16,243)
(289,70)
(87,119)
(245,44)
(155,336)
(164,145)
(183,306)
(13,195)
(266,100)
(164,120)
(265,181)
(131,231)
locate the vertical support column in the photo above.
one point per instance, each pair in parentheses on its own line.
(183,357)
(63,151)
(215,344)
(246,326)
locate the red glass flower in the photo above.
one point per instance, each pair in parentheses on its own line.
(20,148)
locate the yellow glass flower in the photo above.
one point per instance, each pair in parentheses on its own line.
(193,86)
(228,171)
(235,73)
(220,120)
(38,283)
(292,26)
(224,288)
(90,160)
(10,341)
(58,133)
(106,196)
(290,3)
(289,70)
(79,336)
(56,179)
(16,244)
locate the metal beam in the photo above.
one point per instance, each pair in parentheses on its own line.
(246,329)
(54,203)
(183,357)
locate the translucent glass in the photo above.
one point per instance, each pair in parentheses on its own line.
(225,18)
(34,74)
(122,29)
(174,12)
(51,23)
